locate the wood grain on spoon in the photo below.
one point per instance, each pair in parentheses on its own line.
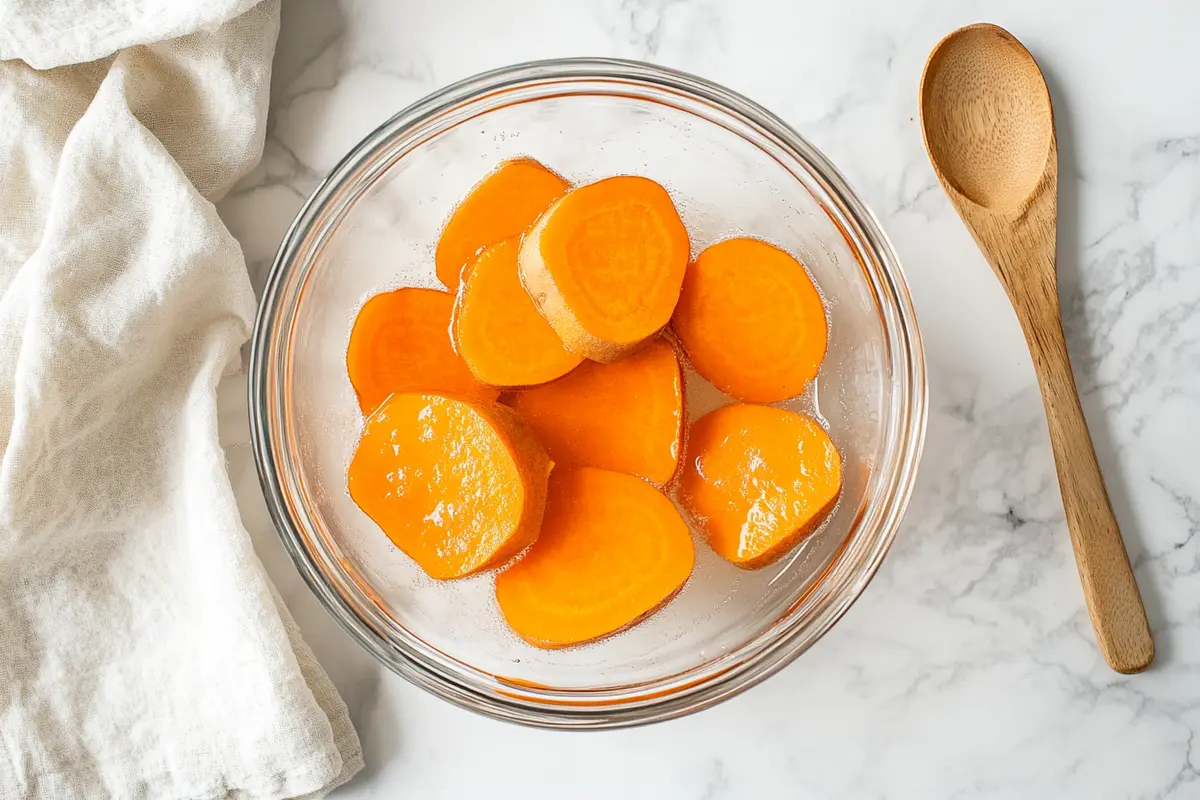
(989,129)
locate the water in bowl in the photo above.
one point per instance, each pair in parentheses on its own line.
(387,240)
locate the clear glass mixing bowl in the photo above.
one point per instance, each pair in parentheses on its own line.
(732,167)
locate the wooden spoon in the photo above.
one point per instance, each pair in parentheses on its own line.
(989,130)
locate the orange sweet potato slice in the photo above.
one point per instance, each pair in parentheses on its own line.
(604,265)
(757,480)
(501,206)
(401,343)
(751,321)
(458,486)
(612,551)
(626,416)
(498,331)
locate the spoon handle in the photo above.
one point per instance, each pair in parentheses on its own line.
(1112,594)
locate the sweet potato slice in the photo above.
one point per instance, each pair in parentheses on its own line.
(498,332)
(626,416)
(757,480)
(604,265)
(751,321)
(500,206)
(458,486)
(401,343)
(612,551)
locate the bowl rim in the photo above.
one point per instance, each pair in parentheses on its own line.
(531,705)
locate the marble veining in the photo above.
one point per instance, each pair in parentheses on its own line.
(967,669)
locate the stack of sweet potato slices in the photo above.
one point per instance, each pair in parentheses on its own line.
(532,417)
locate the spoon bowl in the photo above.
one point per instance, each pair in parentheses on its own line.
(987,116)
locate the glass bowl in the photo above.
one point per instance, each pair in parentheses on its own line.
(732,168)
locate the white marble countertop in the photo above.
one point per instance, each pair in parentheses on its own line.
(968,668)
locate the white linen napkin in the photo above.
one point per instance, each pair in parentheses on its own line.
(143,651)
